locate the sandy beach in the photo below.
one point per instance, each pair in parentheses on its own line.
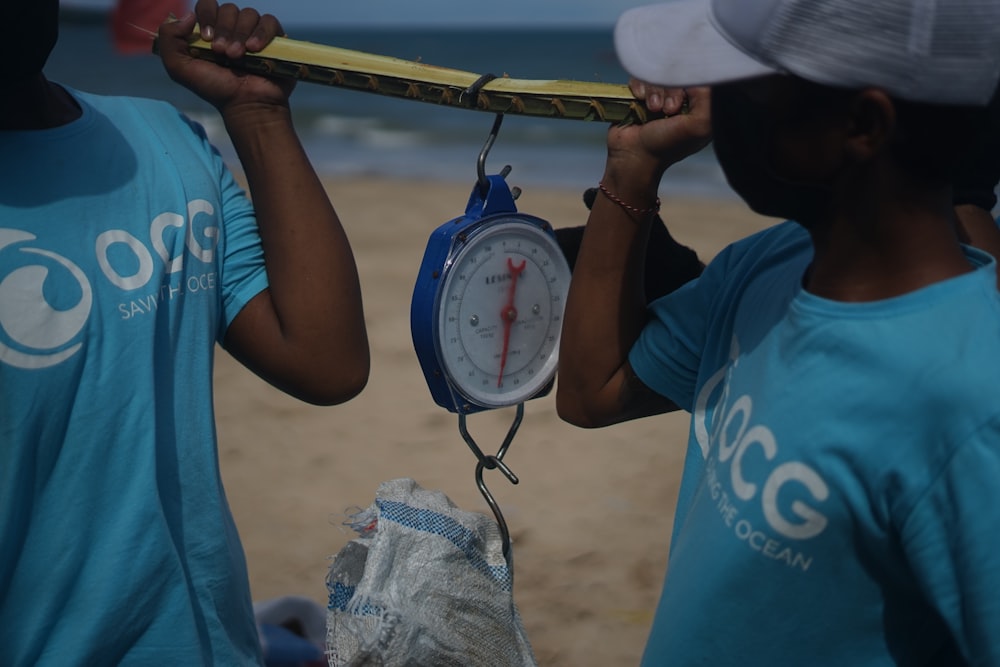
(591,517)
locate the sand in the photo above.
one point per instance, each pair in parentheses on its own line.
(591,517)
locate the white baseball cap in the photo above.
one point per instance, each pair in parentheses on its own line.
(933,51)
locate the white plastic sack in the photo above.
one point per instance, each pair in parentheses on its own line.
(424,583)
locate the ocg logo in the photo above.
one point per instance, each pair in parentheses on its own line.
(38,333)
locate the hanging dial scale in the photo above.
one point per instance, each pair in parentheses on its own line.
(487,311)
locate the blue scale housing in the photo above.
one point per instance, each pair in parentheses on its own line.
(447,240)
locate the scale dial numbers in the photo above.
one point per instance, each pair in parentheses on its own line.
(501,312)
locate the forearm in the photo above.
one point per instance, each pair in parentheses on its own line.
(606,307)
(312,326)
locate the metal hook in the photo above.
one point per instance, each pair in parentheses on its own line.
(474,90)
(491,462)
(495,463)
(484,184)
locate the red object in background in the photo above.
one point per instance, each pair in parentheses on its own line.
(132,21)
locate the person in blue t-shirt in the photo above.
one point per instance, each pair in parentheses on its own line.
(127,253)
(839,497)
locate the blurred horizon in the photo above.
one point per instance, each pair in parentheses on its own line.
(404,13)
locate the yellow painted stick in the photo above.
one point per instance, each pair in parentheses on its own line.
(356,70)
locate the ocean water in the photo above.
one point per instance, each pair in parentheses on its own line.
(348,132)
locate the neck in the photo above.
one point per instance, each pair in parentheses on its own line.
(37,104)
(890,241)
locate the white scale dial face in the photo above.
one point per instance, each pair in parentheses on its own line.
(500,313)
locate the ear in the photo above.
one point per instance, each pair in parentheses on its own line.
(872,123)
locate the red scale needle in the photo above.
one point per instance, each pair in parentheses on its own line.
(508,314)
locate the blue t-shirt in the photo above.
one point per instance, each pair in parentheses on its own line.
(840,497)
(126,250)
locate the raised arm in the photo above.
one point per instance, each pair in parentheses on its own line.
(305,334)
(606,308)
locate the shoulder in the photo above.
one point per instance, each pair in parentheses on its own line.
(783,240)
(117,103)
(781,251)
(142,113)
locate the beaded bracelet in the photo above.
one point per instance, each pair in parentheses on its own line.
(640,212)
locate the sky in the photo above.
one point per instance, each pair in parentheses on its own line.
(432,12)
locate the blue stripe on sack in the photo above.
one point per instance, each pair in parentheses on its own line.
(340,597)
(428,521)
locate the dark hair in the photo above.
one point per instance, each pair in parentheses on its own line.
(932,141)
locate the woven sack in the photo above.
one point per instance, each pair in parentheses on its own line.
(424,583)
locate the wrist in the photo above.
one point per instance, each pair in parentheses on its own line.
(634,179)
(641,212)
(637,188)
(255,114)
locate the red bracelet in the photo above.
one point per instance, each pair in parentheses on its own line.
(641,212)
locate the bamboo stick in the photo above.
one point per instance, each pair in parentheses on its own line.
(394,77)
